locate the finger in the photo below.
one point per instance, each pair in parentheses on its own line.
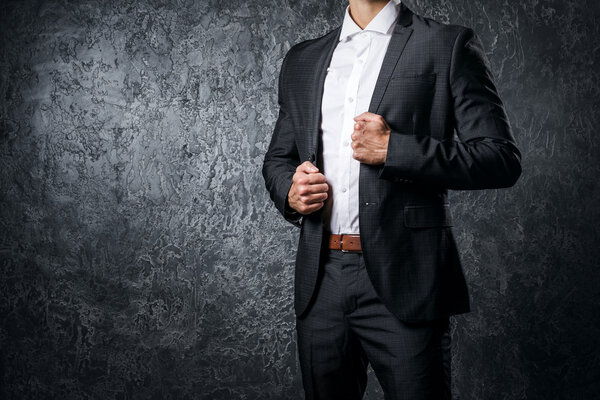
(366,116)
(307,167)
(301,178)
(314,198)
(359,125)
(311,189)
(316,178)
(313,207)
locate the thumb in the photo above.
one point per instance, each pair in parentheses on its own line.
(307,167)
(366,116)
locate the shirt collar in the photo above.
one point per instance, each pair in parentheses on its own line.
(382,23)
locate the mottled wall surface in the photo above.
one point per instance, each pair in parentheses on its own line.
(140,256)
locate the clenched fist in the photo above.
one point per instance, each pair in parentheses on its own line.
(309,189)
(370,138)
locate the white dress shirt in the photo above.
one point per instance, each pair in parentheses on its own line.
(347,92)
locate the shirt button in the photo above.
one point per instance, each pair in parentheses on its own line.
(350,99)
(344,190)
(346,143)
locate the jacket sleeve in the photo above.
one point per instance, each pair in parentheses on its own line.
(281,158)
(485,157)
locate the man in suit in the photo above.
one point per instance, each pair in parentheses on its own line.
(378,119)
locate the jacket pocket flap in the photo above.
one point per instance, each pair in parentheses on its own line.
(414,77)
(427,216)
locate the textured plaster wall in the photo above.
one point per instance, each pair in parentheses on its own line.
(140,256)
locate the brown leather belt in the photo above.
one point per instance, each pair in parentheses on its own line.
(345,242)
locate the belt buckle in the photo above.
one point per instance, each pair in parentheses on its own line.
(342,244)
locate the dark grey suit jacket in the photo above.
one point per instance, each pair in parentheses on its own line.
(449,131)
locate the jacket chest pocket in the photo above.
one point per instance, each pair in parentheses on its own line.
(416,88)
(407,101)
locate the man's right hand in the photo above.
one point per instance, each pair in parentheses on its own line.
(309,189)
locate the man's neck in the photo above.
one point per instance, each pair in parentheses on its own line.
(363,11)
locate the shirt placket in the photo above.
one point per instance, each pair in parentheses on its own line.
(350,102)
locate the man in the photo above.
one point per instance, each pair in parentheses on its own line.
(362,156)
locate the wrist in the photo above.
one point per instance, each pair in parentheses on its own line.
(288,208)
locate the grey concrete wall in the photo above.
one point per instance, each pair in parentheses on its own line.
(140,256)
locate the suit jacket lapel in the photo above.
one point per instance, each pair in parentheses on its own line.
(321,64)
(395,48)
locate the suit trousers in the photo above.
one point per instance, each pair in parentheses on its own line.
(346,327)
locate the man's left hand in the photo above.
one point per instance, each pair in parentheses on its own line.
(370,138)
